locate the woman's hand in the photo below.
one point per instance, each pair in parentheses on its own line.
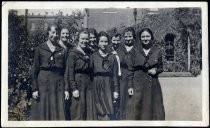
(66,95)
(75,93)
(35,95)
(116,95)
(130,91)
(152,71)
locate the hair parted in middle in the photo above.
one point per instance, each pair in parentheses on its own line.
(147,30)
(103,33)
(130,29)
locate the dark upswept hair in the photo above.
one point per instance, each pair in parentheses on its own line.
(93,31)
(103,33)
(147,30)
(130,29)
(116,35)
(50,26)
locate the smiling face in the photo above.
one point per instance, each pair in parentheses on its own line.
(83,40)
(103,43)
(146,37)
(64,35)
(92,39)
(129,39)
(115,41)
(52,34)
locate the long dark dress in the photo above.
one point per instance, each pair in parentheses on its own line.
(49,82)
(67,105)
(147,101)
(89,97)
(77,77)
(123,55)
(105,82)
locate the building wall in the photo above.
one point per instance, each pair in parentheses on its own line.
(104,19)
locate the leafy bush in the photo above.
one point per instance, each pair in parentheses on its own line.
(21,55)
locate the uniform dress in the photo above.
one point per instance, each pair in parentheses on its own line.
(90,105)
(68,47)
(147,101)
(123,54)
(48,80)
(105,82)
(77,77)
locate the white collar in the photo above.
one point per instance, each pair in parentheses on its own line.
(102,53)
(128,48)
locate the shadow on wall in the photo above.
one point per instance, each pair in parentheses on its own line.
(182,98)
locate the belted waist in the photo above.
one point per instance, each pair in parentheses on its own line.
(103,74)
(53,69)
(82,72)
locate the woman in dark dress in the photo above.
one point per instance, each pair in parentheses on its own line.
(77,77)
(48,81)
(91,48)
(65,43)
(105,82)
(144,66)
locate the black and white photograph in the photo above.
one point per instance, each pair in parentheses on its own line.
(68,64)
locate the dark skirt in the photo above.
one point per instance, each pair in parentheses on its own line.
(147,101)
(79,105)
(50,104)
(103,97)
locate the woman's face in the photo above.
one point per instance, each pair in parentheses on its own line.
(64,35)
(128,36)
(115,41)
(103,43)
(146,37)
(83,40)
(92,39)
(52,34)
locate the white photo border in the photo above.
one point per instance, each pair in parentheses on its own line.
(59,5)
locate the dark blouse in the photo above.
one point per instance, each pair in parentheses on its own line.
(138,60)
(77,62)
(45,59)
(106,66)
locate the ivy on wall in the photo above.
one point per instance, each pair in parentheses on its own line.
(185,24)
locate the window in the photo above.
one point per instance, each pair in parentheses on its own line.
(33,27)
(169,46)
(45,26)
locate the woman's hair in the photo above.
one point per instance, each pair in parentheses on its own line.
(130,29)
(93,31)
(147,30)
(50,26)
(61,28)
(116,35)
(102,33)
(84,31)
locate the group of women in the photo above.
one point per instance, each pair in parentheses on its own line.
(103,77)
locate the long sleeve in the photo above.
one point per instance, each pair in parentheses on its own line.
(160,63)
(115,76)
(71,71)
(130,73)
(36,70)
(91,66)
(66,75)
